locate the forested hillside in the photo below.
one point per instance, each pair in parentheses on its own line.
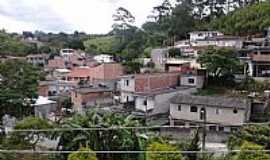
(12,46)
(166,24)
(247,21)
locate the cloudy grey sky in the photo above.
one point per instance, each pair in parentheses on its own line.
(91,16)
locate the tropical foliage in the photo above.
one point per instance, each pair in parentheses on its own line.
(101,140)
(87,154)
(258,134)
(18,87)
(155,147)
(252,151)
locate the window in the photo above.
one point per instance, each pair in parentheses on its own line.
(145,102)
(191,81)
(234,129)
(217,111)
(127,82)
(221,129)
(213,128)
(179,107)
(214,34)
(193,109)
(235,111)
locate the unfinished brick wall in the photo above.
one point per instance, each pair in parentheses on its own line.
(109,71)
(148,82)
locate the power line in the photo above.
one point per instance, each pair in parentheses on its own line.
(128,128)
(99,128)
(130,152)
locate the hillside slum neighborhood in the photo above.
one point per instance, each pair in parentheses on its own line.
(165,94)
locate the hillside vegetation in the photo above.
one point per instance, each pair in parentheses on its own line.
(245,21)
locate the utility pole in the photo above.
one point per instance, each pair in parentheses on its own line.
(203,115)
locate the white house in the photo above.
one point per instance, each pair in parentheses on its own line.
(223,113)
(67,53)
(201,35)
(44,107)
(192,80)
(158,101)
(219,41)
(103,58)
(37,59)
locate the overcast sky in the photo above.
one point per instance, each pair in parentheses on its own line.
(91,16)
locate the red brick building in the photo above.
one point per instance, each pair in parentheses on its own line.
(80,74)
(149,82)
(103,72)
(107,71)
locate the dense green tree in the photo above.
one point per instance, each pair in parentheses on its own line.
(83,156)
(44,49)
(155,35)
(28,140)
(14,47)
(123,21)
(132,67)
(18,88)
(246,21)
(182,21)
(219,61)
(174,52)
(75,44)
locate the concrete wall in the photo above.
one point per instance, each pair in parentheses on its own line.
(140,103)
(187,133)
(225,116)
(124,95)
(80,100)
(220,43)
(159,103)
(131,84)
(159,56)
(43,111)
(60,88)
(198,81)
